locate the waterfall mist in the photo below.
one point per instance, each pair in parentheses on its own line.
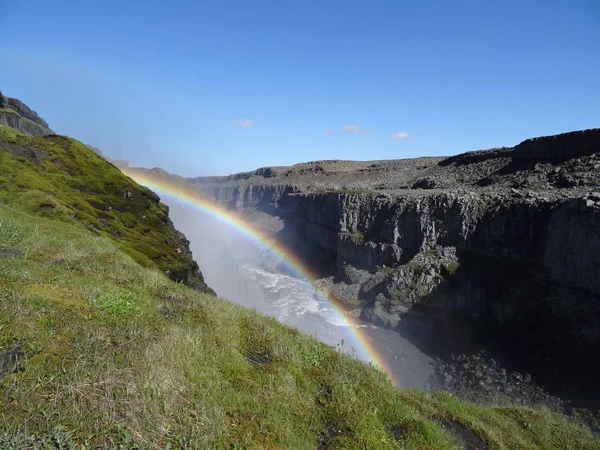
(244,272)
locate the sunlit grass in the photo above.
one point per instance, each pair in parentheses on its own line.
(60,178)
(112,353)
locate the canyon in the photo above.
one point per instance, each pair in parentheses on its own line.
(496,249)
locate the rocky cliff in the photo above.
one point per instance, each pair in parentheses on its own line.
(19,116)
(508,239)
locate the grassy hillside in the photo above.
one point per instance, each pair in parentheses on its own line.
(60,178)
(98,351)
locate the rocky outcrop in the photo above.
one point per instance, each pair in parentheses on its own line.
(19,116)
(553,240)
(263,197)
(558,148)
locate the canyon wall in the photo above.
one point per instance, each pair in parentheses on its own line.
(508,239)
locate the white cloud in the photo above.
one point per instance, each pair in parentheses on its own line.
(356,129)
(243,123)
(399,136)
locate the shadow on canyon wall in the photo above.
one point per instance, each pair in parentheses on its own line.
(491,306)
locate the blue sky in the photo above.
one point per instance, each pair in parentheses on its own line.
(213,87)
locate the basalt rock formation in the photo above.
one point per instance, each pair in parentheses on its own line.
(503,241)
(19,116)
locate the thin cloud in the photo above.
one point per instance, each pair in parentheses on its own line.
(243,123)
(329,131)
(356,129)
(399,136)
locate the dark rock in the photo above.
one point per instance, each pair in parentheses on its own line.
(469,439)
(202,287)
(560,147)
(22,118)
(424,183)
(325,435)
(257,358)
(57,261)
(479,378)
(9,253)
(563,180)
(398,431)
(10,360)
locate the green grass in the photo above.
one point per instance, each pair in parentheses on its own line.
(385,269)
(415,267)
(9,111)
(354,302)
(122,303)
(357,237)
(60,178)
(452,267)
(399,295)
(10,133)
(432,252)
(117,355)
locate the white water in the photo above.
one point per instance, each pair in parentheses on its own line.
(242,272)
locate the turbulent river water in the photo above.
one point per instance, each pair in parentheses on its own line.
(245,272)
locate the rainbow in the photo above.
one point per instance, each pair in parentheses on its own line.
(186,194)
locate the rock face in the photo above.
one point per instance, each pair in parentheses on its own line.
(19,116)
(508,237)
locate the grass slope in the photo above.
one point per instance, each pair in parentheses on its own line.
(97,351)
(59,177)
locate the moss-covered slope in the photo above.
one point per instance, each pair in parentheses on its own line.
(61,178)
(99,352)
